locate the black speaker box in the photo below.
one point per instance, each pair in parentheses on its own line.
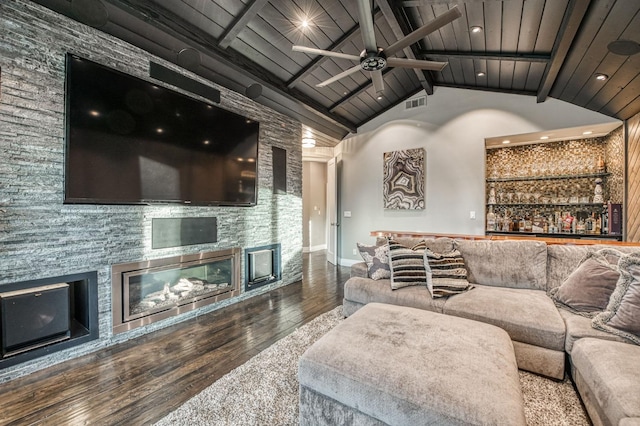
(184,231)
(279,170)
(162,73)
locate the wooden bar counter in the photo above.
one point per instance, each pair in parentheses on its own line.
(586,240)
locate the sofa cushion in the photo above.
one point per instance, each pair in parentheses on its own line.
(529,316)
(609,375)
(364,290)
(516,264)
(588,288)
(377,260)
(579,327)
(407,265)
(622,316)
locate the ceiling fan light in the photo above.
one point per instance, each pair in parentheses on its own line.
(308,142)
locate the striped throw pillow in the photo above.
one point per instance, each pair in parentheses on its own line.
(407,264)
(446,273)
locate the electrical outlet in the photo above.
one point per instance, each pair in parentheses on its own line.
(355,252)
(472,215)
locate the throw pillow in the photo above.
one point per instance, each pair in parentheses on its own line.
(446,273)
(622,315)
(407,266)
(587,290)
(377,260)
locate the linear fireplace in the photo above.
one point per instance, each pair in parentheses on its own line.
(149,291)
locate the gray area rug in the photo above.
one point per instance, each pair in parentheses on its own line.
(264,390)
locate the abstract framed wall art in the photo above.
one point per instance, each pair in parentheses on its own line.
(403,181)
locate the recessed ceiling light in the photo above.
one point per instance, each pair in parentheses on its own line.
(159,130)
(379,97)
(476,29)
(480,74)
(544,137)
(304,23)
(588,132)
(601,77)
(506,141)
(207,142)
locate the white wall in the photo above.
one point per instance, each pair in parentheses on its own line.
(452,129)
(314,196)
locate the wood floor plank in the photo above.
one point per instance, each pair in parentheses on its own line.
(142,380)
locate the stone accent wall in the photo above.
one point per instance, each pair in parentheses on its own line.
(42,237)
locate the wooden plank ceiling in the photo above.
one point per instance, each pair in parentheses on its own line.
(539,48)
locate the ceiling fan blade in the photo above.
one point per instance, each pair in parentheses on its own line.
(339,76)
(415,63)
(378,82)
(366,26)
(442,20)
(315,51)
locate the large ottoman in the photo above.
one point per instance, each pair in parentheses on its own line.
(396,365)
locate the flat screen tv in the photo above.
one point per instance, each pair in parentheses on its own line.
(130,141)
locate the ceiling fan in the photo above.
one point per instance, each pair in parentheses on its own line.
(373,58)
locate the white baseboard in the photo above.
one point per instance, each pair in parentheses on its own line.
(348,262)
(314,248)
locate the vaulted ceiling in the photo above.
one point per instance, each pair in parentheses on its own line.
(541,48)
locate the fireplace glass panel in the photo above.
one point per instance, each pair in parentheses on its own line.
(157,289)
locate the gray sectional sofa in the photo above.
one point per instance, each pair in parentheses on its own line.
(512,279)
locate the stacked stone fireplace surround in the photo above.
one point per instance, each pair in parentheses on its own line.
(41,237)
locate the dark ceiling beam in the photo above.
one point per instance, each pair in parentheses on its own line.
(490,56)
(357,92)
(336,46)
(151,13)
(573,17)
(240,22)
(425,3)
(401,28)
(489,89)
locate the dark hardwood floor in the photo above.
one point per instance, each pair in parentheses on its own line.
(140,381)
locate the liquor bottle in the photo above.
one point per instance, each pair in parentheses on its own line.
(604,225)
(553,229)
(581,227)
(590,224)
(567,223)
(491,220)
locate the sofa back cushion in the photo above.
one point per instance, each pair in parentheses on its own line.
(515,264)
(564,259)
(436,245)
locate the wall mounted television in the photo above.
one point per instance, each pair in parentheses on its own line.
(130,141)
